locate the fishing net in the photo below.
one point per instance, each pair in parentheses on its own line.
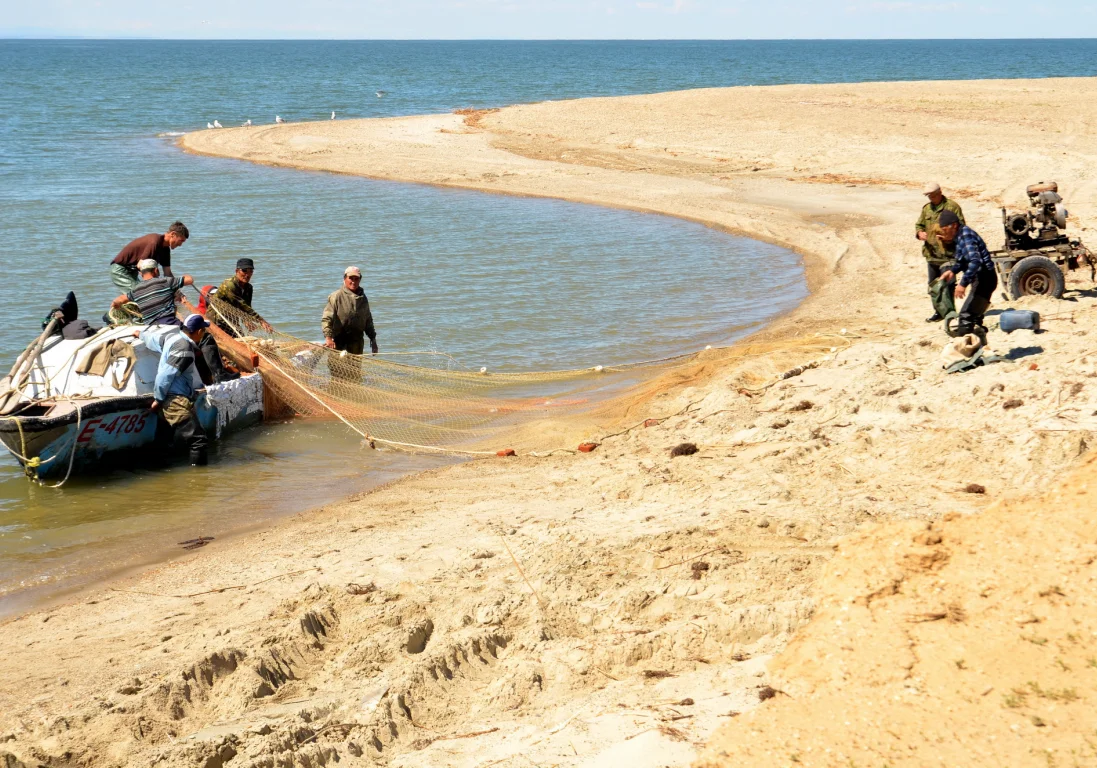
(427,401)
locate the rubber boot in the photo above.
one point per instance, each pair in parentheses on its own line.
(195,437)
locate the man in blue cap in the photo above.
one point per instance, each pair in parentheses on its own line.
(975,268)
(173,392)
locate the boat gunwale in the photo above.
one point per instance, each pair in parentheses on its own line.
(89,408)
(94,407)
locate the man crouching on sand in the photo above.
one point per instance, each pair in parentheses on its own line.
(976,269)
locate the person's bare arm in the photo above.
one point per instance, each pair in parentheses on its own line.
(167,271)
(188,280)
(119,301)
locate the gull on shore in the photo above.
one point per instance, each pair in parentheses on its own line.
(333,115)
(246,124)
(217,124)
(278,119)
(209,125)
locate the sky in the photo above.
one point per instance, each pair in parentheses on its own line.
(546,19)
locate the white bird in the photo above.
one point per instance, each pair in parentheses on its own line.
(333,115)
(381,93)
(247,124)
(278,119)
(217,124)
(209,125)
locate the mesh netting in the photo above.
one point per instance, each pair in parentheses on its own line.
(426,400)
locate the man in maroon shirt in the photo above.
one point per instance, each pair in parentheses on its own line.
(123,270)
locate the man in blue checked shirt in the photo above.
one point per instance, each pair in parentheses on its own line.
(972,262)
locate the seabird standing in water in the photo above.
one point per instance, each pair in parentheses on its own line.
(381,93)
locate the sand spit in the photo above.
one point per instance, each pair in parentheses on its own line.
(615,608)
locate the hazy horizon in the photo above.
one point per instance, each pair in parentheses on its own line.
(45,36)
(550,20)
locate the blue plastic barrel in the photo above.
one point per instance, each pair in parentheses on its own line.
(1019,320)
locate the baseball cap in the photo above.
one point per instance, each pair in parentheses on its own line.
(352,272)
(195,322)
(946,218)
(929,189)
(147,265)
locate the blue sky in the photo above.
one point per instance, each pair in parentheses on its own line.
(546,19)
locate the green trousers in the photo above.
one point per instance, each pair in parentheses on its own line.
(124,277)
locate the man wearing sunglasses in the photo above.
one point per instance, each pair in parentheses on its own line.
(237,292)
(347,322)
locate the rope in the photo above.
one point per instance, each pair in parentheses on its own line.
(72,450)
(33,463)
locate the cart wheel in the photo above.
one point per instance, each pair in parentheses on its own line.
(1036,276)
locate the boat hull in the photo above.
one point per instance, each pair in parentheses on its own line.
(119,430)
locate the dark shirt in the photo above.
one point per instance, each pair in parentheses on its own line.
(211,359)
(156,297)
(972,256)
(147,247)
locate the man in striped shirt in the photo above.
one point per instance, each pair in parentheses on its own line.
(154,295)
(973,264)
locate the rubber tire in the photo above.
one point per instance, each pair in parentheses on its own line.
(1036,276)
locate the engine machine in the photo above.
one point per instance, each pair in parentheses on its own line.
(1037,250)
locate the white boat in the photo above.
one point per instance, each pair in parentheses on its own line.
(59,422)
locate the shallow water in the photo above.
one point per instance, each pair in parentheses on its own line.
(87,163)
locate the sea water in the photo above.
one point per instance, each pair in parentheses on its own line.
(88,161)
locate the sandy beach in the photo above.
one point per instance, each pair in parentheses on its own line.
(816,586)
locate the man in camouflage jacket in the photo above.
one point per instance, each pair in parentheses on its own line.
(936,253)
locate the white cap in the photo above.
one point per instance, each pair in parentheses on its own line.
(929,189)
(352,271)
(147,265)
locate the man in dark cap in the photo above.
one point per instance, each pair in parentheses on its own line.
(972,263)
(237,293)
(936,254)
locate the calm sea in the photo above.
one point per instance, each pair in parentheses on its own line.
(87,162)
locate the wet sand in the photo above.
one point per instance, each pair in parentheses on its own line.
(612,607)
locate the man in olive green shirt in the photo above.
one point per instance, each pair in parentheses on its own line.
(937,254)
(237,292)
